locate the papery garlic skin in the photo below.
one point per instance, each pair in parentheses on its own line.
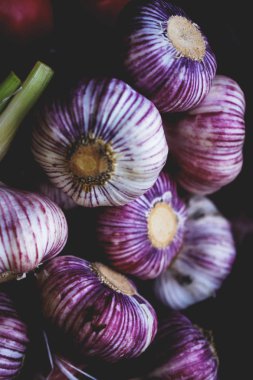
(205,260)
(99,309)
(165,55)
(33,229)
(56,195)
(207,142)
(143,237)
(13,339)
(180,351)
(103,146)
(64,369)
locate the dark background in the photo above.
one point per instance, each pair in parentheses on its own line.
(80,45)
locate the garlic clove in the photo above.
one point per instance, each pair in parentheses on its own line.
(205,260)
(207,142)
(143,237)
(98,308)
(105,146)
(32,230)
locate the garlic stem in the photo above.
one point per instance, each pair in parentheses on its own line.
(21,104)
(8,88)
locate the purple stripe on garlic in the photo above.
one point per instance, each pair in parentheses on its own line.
(99,309)
(207,142)
(104,146)
(32,230)
(143,237)
(165,54)
(180,351)
(13,339)
(205,260)
(56,195)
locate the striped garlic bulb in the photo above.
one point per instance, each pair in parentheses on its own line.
(103,146)
(205,260)
(165,55)
(32,230)
(207,142)
(143,237)
(13,339)
(56,195)
(180,351)
(98,308)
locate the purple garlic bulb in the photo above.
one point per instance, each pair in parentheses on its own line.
(165,55)
(181,351)
(207,142)
(205,260)
(56,195)
(104,146)
(143,237)
(98,308)
(13,339)
(32,230)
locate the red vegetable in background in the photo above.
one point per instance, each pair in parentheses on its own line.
(24,20)
(107,10)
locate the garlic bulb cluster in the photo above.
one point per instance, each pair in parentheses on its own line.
(165,55)
(98,308)
(143,237)
(207,142)
(181,351)
(13,339)
(32,230)
(103,146)
(205,260)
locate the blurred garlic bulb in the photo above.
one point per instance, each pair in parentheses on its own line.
(104,146)
(207,141)
(13,339)
(32,230)
(56,195)
(180,351)
(205,260)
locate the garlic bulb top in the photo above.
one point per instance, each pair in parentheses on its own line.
(205,260)
(180,351)
(165,55)
(143,237)
(103,146)
(207,142)
(13,339)
(32,230)
(98,308)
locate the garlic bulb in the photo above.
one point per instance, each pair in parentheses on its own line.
(165,55)
(32,230)
(143,237)
(104,146)
(56,195)
(205,260)
(207,142)
(13,339)
(99,309)
(180,351)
